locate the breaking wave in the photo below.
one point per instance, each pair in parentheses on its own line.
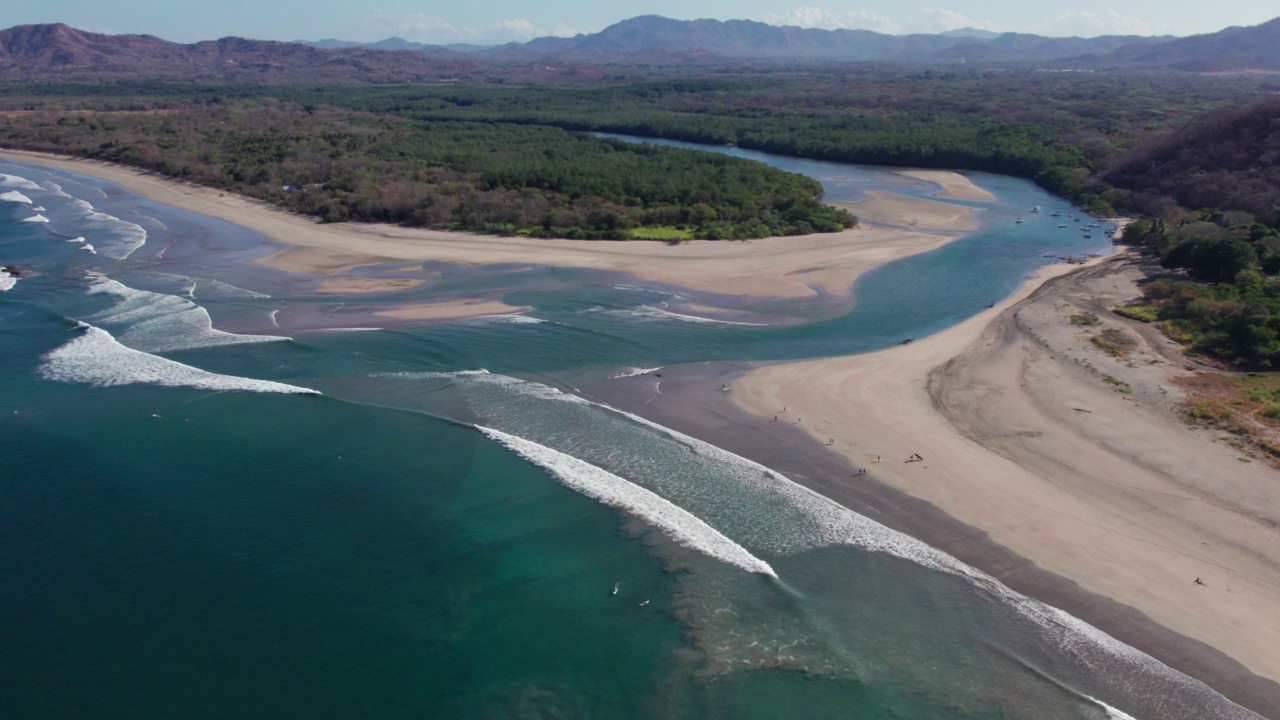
(157,322)
(15,197)
(612,490)
(98,359)
(115,237)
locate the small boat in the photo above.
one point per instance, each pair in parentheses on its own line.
(1035,209)
(1062,226)
(1088,235)
(615,589)
(643,603)
(1018,220)
(1056,214)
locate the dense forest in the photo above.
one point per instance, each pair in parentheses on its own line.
(340,164)
(1226,164)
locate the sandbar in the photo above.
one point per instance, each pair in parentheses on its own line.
(451,310)
(358,285)
(916,213)
(954,185)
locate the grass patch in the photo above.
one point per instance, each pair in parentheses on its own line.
(1144,313)
(1247,406)
(1085,319)
(1114,342)
(661,232)
(1119,384)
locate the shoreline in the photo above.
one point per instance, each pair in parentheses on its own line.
(804,267)
(1077,540)
(1014,548)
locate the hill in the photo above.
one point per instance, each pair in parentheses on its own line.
(1228,159)
(1231,50)
(39,52)
(748,39)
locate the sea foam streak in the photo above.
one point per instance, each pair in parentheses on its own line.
(609,489)
(116,238)
(7,281)
(98,359)
(37,218)
(158,322)
(656,313)
(15,197)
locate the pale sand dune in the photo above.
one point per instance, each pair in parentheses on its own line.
(1021,439)
(452,310)
(773,267)
(954,185)
(916,213)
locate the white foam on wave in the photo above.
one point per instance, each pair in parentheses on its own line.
(14,196)
(18,182)
(614,491)
(347,329)
(98,359)
(76,239)
(657,313)
(37,218)
(157,322)
(512,318)
(89,248)
(117,238)
(7,281)
(633,372)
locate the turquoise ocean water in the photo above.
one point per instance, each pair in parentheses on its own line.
(227,494)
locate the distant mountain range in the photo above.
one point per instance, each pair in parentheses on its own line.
(35,51)
(652,38)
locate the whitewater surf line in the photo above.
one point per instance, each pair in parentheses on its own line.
(758,508)
(158,322)
(96,358)
(603,486)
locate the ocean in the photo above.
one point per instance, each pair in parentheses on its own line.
(229,494)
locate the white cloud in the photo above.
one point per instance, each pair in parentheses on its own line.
(421,27)
(807,16)
(937,20)
(1091,24)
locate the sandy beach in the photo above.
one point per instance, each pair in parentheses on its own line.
(1066,456)
(789,267)
(1083,491)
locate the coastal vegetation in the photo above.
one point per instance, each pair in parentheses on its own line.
(342,164)
(1193,155)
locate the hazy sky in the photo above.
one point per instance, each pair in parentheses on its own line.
(493,21)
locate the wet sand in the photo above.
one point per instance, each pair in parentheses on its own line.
(451,310)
